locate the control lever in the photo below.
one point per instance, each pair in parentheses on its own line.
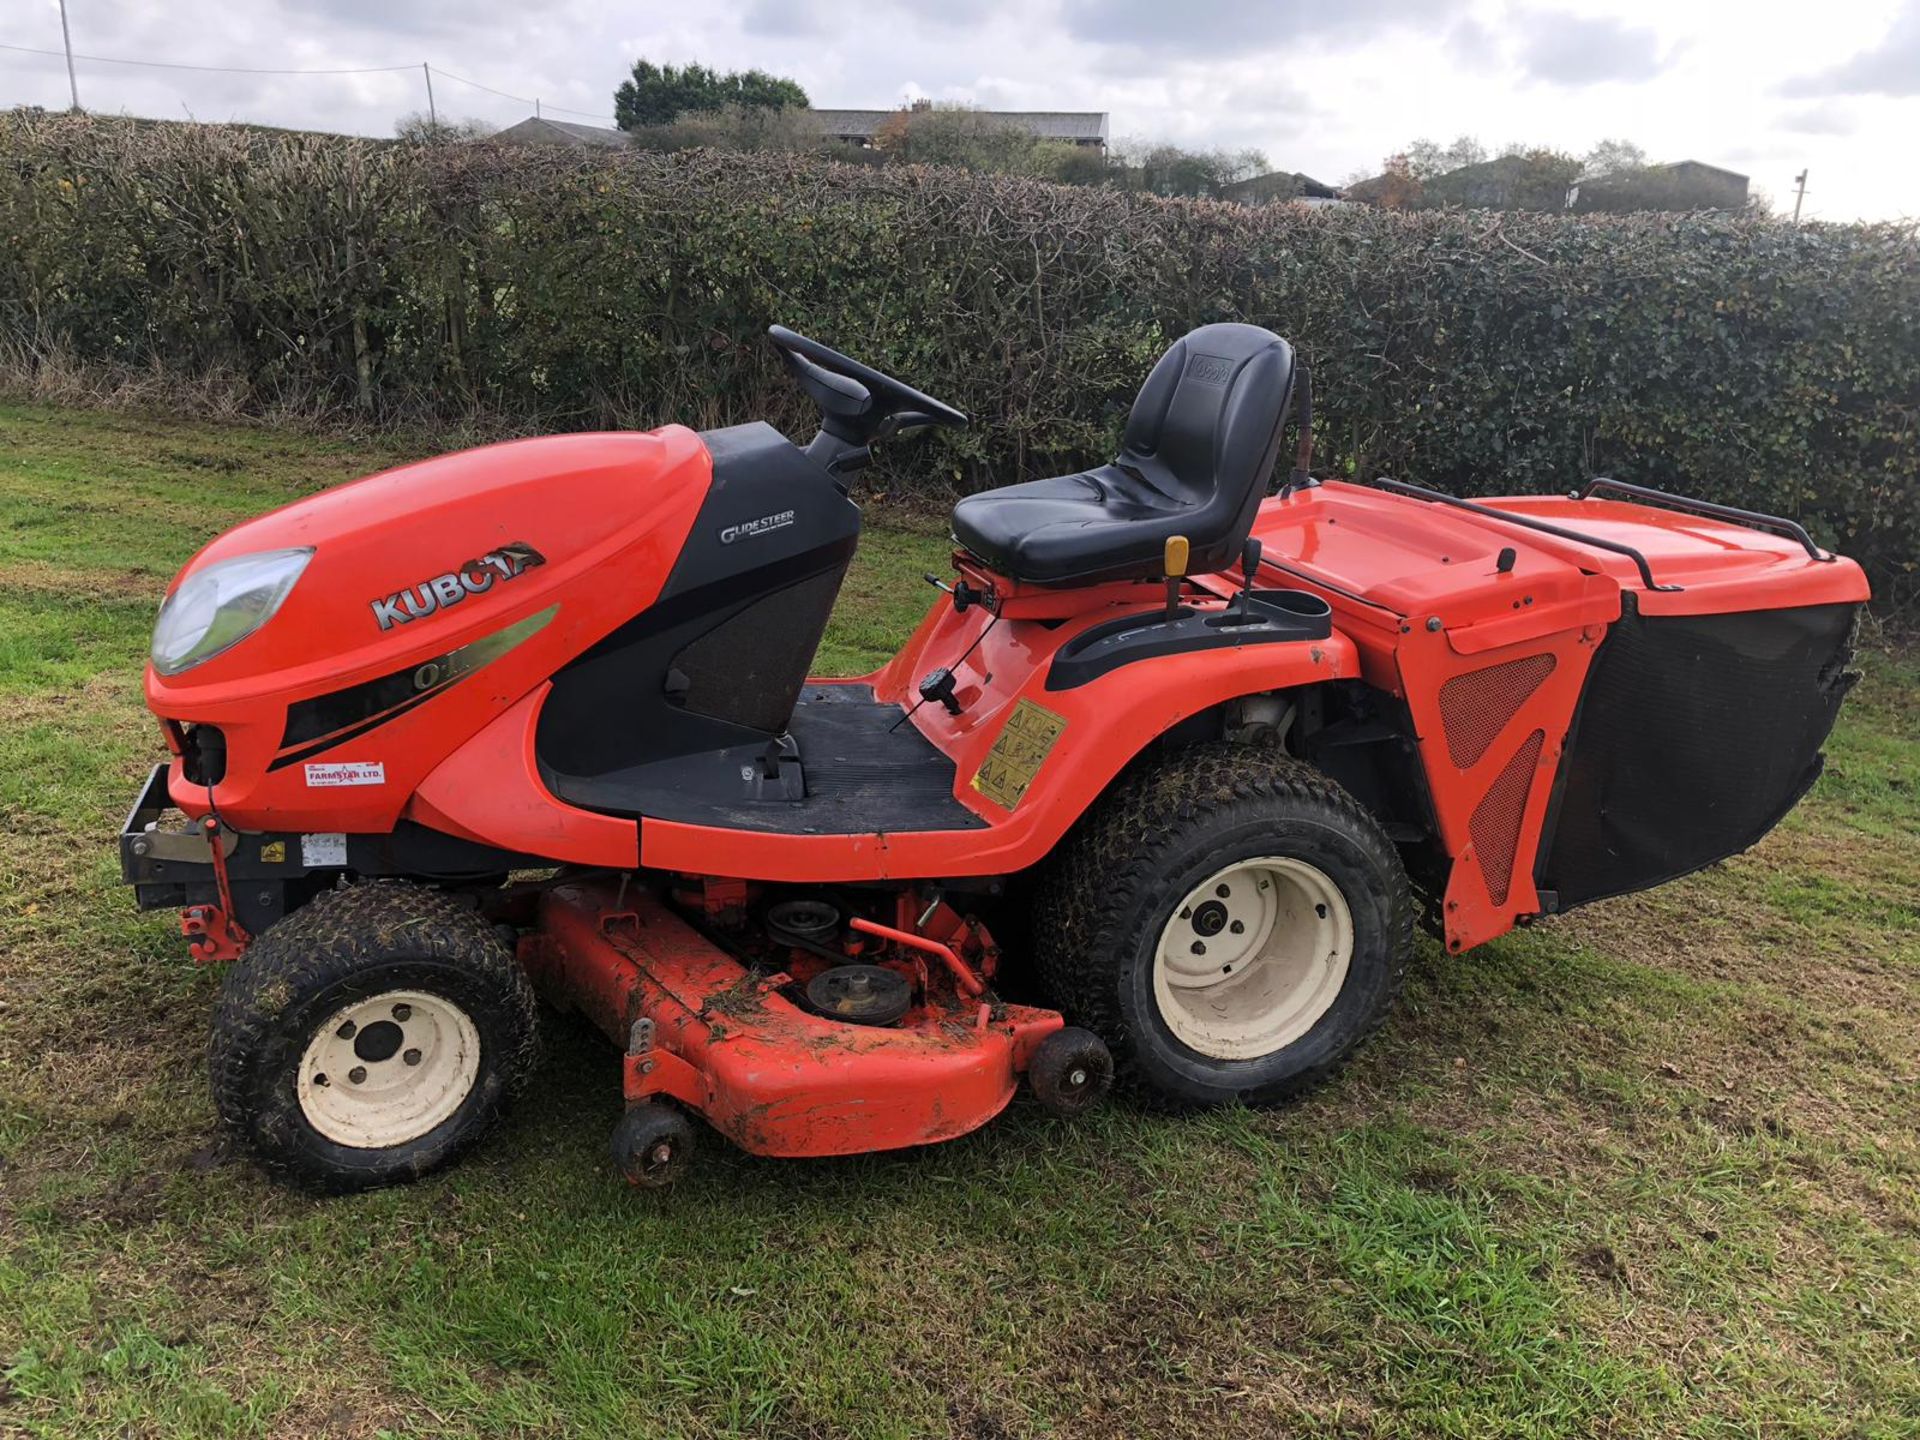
(1249,567)
(1173,564)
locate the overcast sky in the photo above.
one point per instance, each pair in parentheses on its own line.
(1766,87)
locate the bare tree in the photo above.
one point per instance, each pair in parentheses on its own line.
(1428,158)
(423,130)
(1614,157)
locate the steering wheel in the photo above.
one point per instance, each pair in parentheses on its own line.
(858,404)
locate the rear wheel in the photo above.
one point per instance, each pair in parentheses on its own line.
(1230,922)
(370,1037)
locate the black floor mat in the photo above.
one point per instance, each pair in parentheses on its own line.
(865,773)
(856,752)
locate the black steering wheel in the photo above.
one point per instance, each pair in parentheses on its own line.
(858,405)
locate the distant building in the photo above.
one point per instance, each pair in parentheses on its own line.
(537,130)
(1279,186)
(1676,185)
(1542,180)
(1370,191)
(1536,181)
(1086,128)
(853,127)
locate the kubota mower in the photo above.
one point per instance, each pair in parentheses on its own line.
(536,719)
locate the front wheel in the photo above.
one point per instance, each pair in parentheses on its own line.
(1230,922)
(370,1037)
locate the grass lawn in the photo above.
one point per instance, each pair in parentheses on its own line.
(1649,1169)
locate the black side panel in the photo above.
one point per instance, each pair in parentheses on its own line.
(749,669)
(1363,740)
(269,873)
(768,503)
(1696,735)
(1273,617)
(717,660)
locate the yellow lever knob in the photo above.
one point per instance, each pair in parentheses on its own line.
(1174,562)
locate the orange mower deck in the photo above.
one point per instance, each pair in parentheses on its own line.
(702,1029)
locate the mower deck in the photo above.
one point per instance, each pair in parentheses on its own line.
(737,1047)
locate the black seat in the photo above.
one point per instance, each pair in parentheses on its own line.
(1199,449)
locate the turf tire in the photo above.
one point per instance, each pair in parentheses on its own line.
(348,945)
(1129,863)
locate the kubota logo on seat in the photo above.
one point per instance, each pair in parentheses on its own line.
(1210,369)
(475,577)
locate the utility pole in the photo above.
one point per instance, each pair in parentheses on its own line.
(1799,195)
(433,116)
(66,37)
(536,107)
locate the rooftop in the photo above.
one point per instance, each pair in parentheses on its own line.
(1668,166)
(1076,125)
(538,130)
(1279,185)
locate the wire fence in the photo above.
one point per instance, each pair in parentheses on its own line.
(424,69)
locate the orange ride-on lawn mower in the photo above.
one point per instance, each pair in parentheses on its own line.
(535,719)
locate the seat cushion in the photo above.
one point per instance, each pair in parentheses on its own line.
(1199,449)
(1097,525)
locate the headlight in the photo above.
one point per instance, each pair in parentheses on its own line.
(216,608)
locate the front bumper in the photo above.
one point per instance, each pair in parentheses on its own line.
(171,867)
(269,872)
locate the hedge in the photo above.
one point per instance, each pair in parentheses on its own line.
(1745,361)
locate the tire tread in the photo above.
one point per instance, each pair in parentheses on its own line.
(1133,833)
(327,940)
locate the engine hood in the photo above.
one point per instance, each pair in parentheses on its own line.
(456,546)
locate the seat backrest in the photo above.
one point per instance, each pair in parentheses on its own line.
(1206,428)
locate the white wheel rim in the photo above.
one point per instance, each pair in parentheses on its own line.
(383,1071)
(1242,993)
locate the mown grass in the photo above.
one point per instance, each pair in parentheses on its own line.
(1651,1169)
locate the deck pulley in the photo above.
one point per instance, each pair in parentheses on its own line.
(803,922)
(860,994)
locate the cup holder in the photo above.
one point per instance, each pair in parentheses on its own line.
(1302,604)
(1297,611)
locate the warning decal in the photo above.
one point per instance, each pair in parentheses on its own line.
(1016,757)
(319,852)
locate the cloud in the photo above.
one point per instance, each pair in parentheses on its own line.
(419,18)
(1890,68)
(1266,113)
(1577,50)
(952,12)
(1473,45)
(1239,27)
(787,19)
(1829,118)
